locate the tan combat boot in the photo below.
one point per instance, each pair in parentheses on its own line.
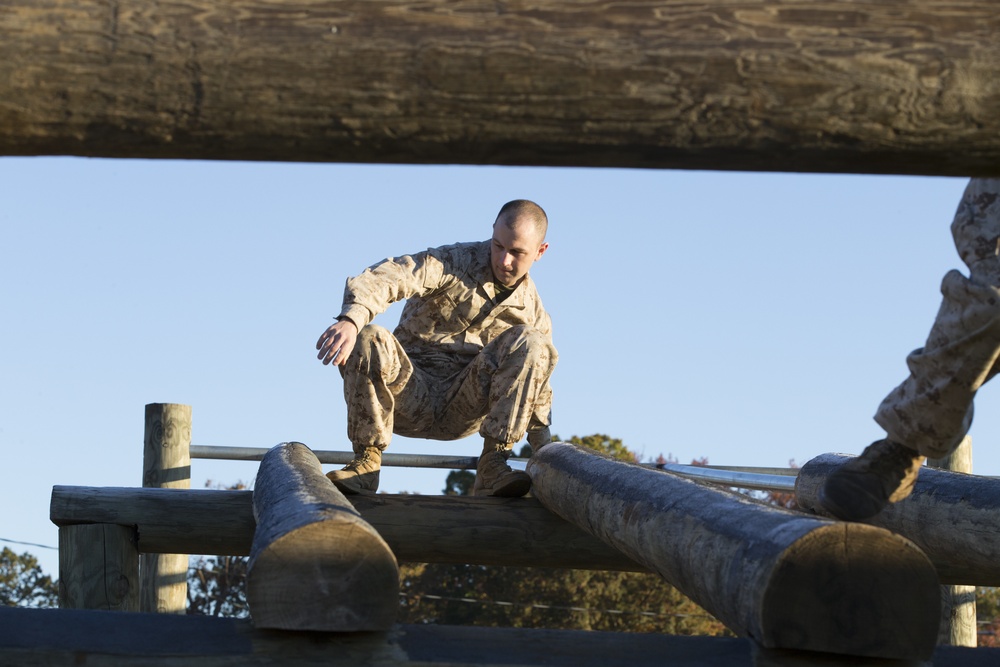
(494,477)
(861,488)
(361,474)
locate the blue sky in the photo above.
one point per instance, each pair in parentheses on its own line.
(752,319)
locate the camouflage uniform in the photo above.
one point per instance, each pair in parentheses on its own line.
(931,411)
(458,361)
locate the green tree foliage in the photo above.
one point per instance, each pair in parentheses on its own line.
(604,444)
(217,586)
(459,483)
(23,584)
(988,615)
(548,598)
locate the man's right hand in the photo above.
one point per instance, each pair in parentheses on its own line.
(336,343)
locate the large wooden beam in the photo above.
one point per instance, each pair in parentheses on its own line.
(791,85)
(315,564)
(784,579)
(478,531)
(46,638)
(953,517)
(67,638)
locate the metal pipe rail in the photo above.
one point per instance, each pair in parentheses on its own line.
(743,477)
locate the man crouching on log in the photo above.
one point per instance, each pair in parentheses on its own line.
(472,352)
(929,414)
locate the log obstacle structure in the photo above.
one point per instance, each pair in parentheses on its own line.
(786,580)
(741,542)
(315,564)
(953,517)
(761,85)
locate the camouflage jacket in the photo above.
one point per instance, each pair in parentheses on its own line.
(451,311)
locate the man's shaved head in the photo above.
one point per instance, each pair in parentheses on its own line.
(521,210)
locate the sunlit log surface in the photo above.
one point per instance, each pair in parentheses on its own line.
(789,85)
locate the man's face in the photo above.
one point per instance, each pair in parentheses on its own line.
(514,251)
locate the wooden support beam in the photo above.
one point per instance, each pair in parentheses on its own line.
(958,603)
(953,517)
(479,531)
(98,567)
(784,579)
(166,464)
(789,85)
(315,564)
(66,638)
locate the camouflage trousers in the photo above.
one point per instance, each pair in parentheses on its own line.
(931,411)
(502,392)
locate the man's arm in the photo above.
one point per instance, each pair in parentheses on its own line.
(336,343)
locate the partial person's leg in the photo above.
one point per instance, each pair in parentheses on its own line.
(931,411)
(375,373)
(508,382)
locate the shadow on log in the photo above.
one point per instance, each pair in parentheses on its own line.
(953,517)
(786,580)
(315,564)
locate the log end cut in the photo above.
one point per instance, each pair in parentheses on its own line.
(853,589)
(327,576)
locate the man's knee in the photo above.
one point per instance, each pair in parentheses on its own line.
(528,345)
(372,344)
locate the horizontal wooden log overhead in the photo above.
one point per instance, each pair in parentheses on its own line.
(953,517)
(766,85)
(782,578)
(478,531)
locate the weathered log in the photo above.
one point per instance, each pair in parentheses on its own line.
(67,637)
(953,517)
(786,580)
(315,564)
(166,464)
(476,531)
(98,567)
(788,85)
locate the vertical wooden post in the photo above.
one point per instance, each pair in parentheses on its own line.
(166,464)
(958,603)
(98,567)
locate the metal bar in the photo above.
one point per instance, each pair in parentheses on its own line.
(765,479)
(339,458)
(736,478)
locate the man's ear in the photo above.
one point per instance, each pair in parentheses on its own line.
(541,251)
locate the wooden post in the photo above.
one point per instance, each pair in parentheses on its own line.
(953,517)
(315,564)
(166,464)
(893,86)
(784,579)
(958,603)
(98,567)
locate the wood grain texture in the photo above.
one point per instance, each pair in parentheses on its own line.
(953,517)
(786,580)
(98,567)
(892,86)
(315,564)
